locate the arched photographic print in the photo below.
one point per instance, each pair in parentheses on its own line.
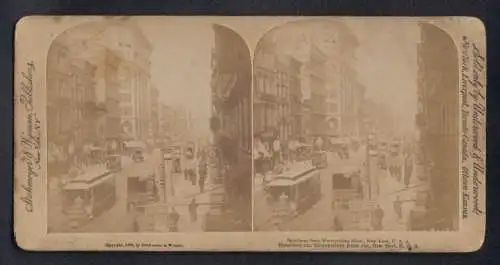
(356,127)
(149,128)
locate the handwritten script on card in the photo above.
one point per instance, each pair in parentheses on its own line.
(473,110)
(29,145)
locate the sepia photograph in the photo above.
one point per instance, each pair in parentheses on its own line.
(356,127)
(148,129)
(213,133)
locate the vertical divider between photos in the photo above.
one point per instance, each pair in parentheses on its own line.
(231,87)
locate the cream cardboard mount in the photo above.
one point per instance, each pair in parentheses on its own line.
(326,134)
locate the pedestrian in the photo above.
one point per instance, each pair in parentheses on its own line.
(292,149)
(337,224)
(398,208)
(193,210)
(285,156)
(193,173)
(276,151)
(156,192)
(202,172)
(135,225)
(135,218)
(190,170)
(400,172)
(173,220)
(408,170)
(202,179)
(319,143)
(378,217)
(89,206)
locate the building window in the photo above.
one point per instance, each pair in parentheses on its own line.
(332,93)
(332,107)
(126,111)
(126,97)
(61,55)
(63,90)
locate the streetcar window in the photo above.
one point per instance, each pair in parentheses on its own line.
(104,190)
(275,192)
(341,181)
(71,195)
(136,186)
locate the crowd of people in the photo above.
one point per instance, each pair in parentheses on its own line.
(270,155)
(196,167)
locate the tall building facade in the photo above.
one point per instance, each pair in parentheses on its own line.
(351,99)
(72,106)
(165,118)
(333,98)
(295,96)
(377,118)
(155,114)
(275,83)
(351,92)
(437,120)
(114,47)
(232,133)
(107,88)
(83,49)
(134,79)
(173,123)
(314,77)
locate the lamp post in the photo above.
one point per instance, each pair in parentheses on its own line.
(368,171)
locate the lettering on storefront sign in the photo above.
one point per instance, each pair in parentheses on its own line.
(473,113)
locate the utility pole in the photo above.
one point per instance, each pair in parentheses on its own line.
(162,174)
(171,179)
(368,171)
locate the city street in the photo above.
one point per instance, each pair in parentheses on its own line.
(142,103)
(108,221)
(185,191)
(320,217)
(390,190)
(118,219)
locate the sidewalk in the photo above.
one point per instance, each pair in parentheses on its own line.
(115,220)
(318,218)
(390,189)
(386,199)
(184,189)
(185,223)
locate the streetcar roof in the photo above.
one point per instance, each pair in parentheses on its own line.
(296,169)
(141,170)
(346,170)
(281,181)
(289,182)
(90,178)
